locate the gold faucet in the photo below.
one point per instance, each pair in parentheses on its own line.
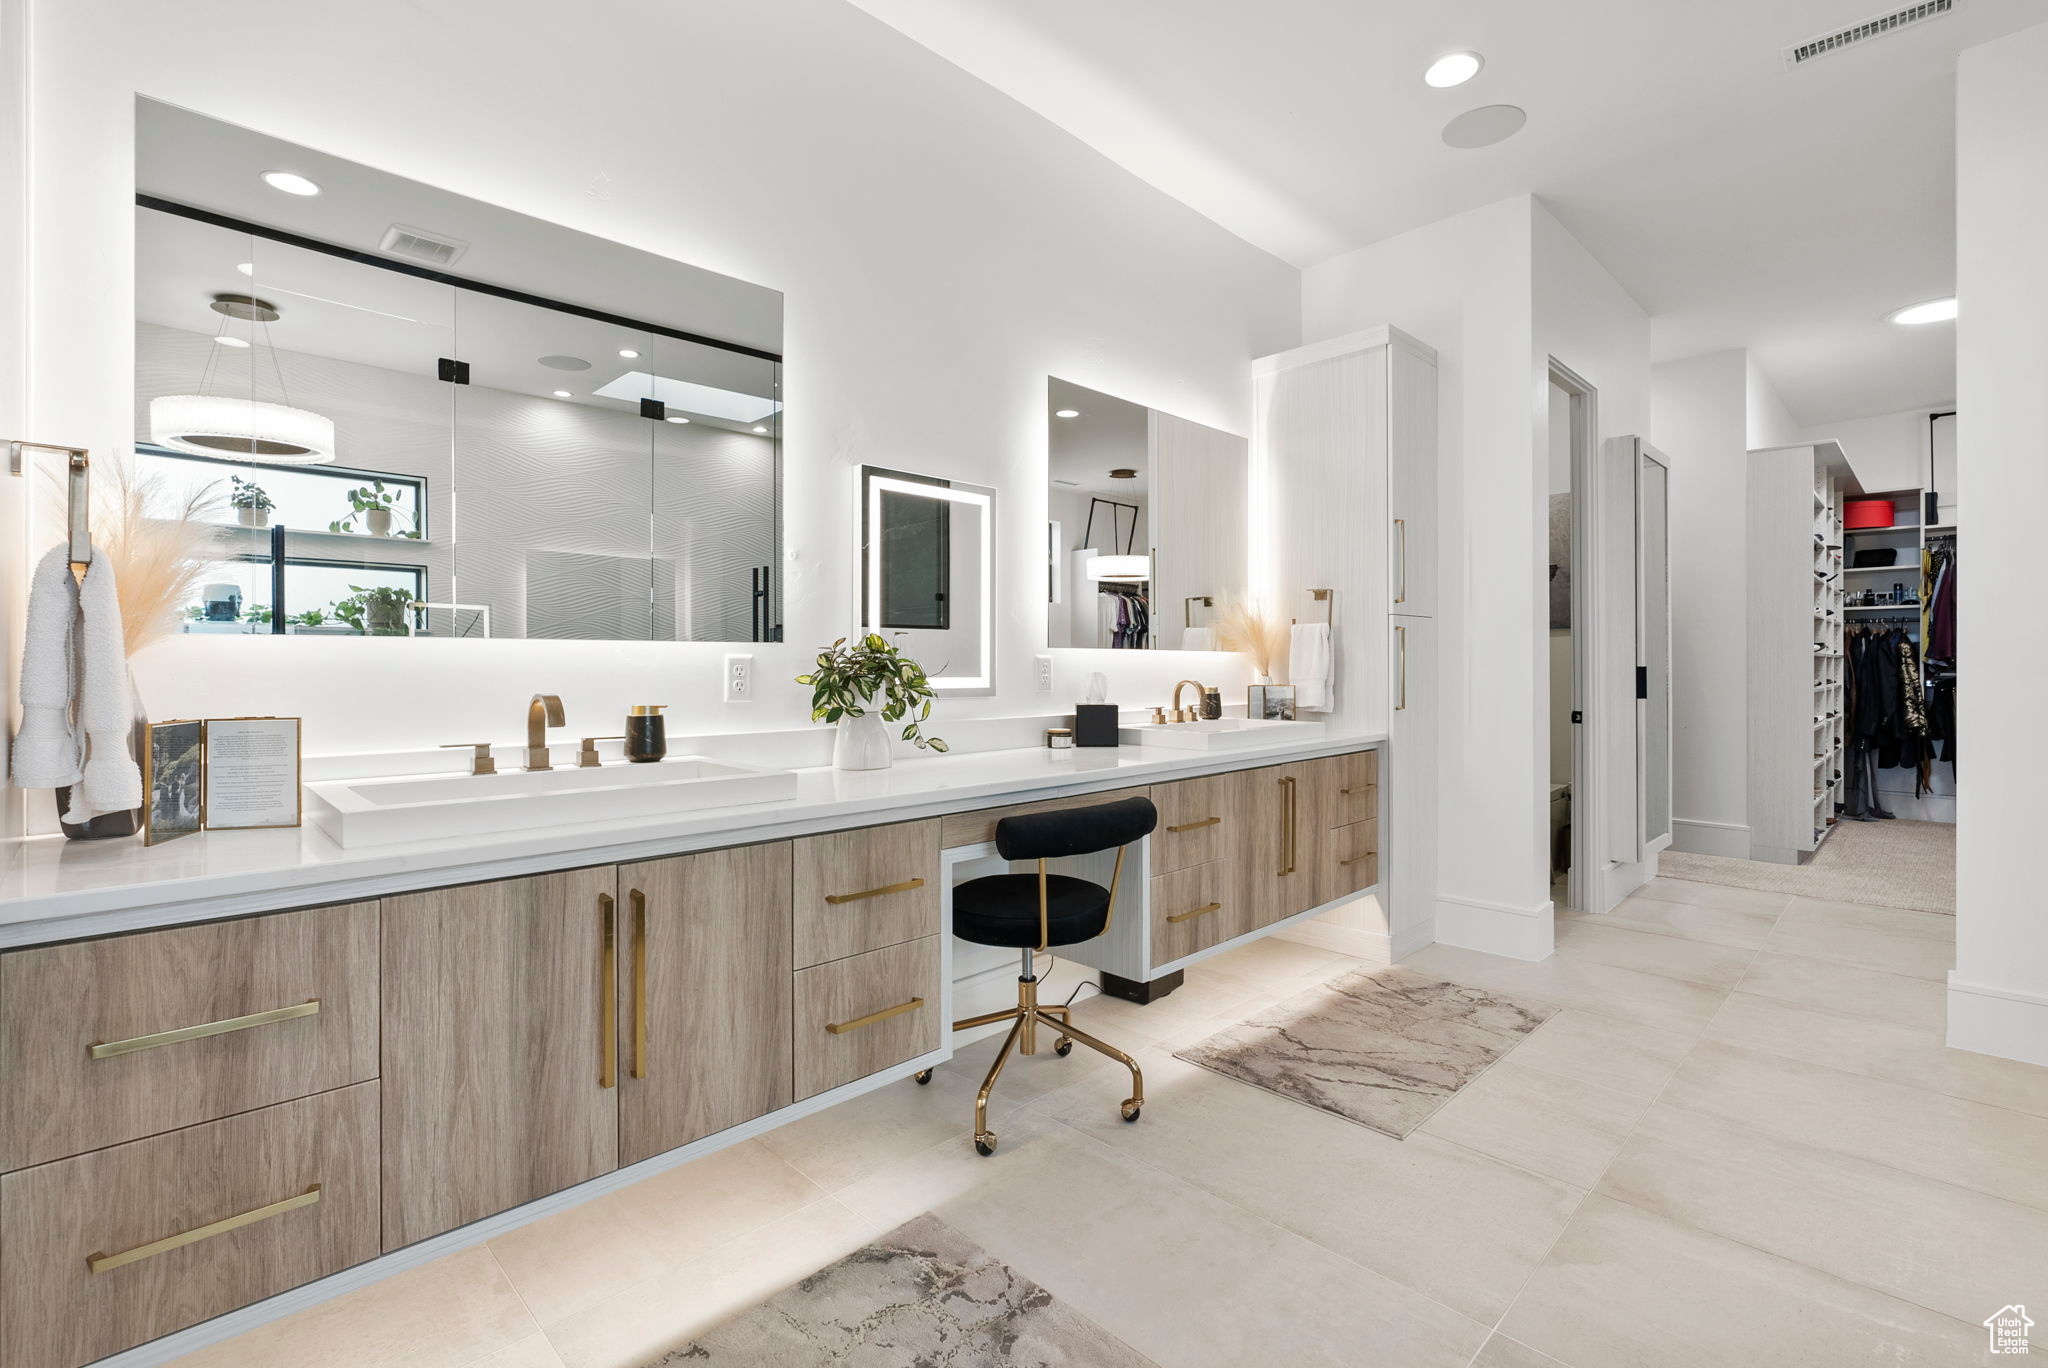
(1193,714)
(545,711)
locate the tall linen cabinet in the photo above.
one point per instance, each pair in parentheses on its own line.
(1344,454)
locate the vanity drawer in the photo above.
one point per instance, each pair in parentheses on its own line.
(1350,860)
(109,1249)
(1193,909)
(1346,789)
(975,828)
(862,890)
(855,1016)
(1194,823)
(110,1040)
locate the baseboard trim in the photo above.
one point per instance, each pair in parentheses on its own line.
(1692,836)
(1997,1021)
(1496,928)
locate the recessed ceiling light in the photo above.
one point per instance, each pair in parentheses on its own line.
(247,268)
(1453,69)
(628,353)
(561,394)
(1067,413)
(1484,126)
(291,182)
(1932,311)
(760,429)
(673,419)
(227,341)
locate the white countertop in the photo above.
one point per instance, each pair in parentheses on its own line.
(55,889)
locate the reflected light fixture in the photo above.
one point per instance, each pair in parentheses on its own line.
(1453,69)
(1120,569)
(677,419)
(247,268)
(1067,413)
(224,340)
(1928,311)
(205,424)
(628,353)
(760,429)
(291,182)
(562,394)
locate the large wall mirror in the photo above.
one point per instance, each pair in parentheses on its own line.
(418,414)
(1146,524)
(927,574)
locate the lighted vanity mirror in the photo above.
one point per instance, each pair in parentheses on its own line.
(1146,524)
(926,574)
(429,416)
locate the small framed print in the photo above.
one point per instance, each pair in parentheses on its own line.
(1270,702)
(252,772)
(173,781)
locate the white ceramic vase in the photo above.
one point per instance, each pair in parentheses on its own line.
(862,744)
(378,520)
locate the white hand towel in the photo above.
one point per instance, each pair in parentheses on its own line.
(1308,665)
(47,751)
(112,782)
(1198,639)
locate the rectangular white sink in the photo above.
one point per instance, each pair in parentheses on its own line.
(365,812)
(1222,733)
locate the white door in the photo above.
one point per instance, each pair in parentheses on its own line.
(1610,689)
(1411,798)
(1653,649)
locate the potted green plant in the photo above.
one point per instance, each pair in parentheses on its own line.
(375,612)
(252,506)
(861,687)
(375,506)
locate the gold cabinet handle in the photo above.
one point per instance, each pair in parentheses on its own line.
(1195,826)
(1287,825)
(310,1007)
(885,890)
(1401,526)
(607,991)
(842,1027)
(1357,859)
(1401,641)
(639,901)
(1204,910)
(103,1263)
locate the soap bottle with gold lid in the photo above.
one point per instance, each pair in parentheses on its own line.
(646,733)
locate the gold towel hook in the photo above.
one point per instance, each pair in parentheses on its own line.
(78,495)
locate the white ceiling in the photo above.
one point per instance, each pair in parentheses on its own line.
(1742,204)
(1109,434)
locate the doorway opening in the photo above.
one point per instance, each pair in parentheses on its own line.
(1569,790)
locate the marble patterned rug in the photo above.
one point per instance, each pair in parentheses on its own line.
(1382,1047)
(922,1295)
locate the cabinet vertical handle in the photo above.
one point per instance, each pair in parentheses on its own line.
(1293,825)
(639,901)
(607,991)
(1286,824)
(1401,527)
(1401,643)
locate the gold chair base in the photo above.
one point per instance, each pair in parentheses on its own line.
(1026,1017)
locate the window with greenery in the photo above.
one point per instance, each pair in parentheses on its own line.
(321,598)
(304,498)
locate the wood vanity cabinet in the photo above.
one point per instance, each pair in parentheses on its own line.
(706,1001)
(865,889)
(1196,823)
(1277,849)
(500,1053)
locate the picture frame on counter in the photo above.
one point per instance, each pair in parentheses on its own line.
(220,774)
(1270,702)
(173,787)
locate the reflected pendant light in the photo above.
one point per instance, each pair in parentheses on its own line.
(205,424)
(1120,569)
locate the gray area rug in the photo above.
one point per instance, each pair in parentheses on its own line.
(1883,864)
(922,1296)
(1382,1047)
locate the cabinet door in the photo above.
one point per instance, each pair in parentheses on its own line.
(1194,823)
(1409,878)
(1411,481)
(500,1058)
(705,1006)
(1277,845)
(864,889)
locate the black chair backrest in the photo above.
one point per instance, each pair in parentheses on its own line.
(1075,831)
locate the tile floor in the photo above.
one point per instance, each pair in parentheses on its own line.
(1741,1140)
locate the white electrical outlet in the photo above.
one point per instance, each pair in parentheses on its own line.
(1044,676)
(739,679)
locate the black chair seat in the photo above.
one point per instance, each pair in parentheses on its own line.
(1002,909)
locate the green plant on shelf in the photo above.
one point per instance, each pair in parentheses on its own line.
(248,494)
(848,681)
(312,617)
(375,612)
(372,508)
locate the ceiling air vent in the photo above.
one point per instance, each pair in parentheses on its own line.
(417,244)
(1799,54)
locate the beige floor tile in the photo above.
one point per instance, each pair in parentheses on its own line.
(442,1315)
(653,1316)
(1452,1223)
(1502,1352)
(1545,1122)
(1276,965)
(1196,1003)
(1713,895)
(1886,951)
(1898,921)
(1667,1003)
(1871,993)
(1176,1273)
(1623,1056)
(1911,1055)
(1628,1289)
(1989,1149)
(1943,1247)
(532,1352)
(1690,921)
(1694,961)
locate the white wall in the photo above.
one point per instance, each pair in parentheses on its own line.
(1767,422)
(941,248)
(1998,993)
(15,416)
(1887,452)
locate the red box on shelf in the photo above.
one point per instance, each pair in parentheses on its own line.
(1868,513)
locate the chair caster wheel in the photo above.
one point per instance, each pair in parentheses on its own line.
(1063,1048)
(923,1076)
(1131,1110)
(985,1145)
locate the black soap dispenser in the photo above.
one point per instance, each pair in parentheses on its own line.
(646,733)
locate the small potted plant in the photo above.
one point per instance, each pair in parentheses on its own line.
(862,687)
(375,612)
(375,506)
(252,506)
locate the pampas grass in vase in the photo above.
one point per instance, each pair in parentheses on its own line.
(1244,624)
(157,541)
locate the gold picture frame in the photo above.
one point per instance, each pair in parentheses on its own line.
(173,780)
(234,730)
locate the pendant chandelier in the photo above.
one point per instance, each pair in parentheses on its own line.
(219,425)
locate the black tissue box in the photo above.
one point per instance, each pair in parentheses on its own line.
(1095,724)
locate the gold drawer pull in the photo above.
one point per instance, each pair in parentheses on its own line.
(842,1027)
(102,1263)
(884,891)
(1356,859)
(310,1007)
(1195,826)
(1201,911)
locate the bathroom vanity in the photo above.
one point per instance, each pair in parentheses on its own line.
(248,1062)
